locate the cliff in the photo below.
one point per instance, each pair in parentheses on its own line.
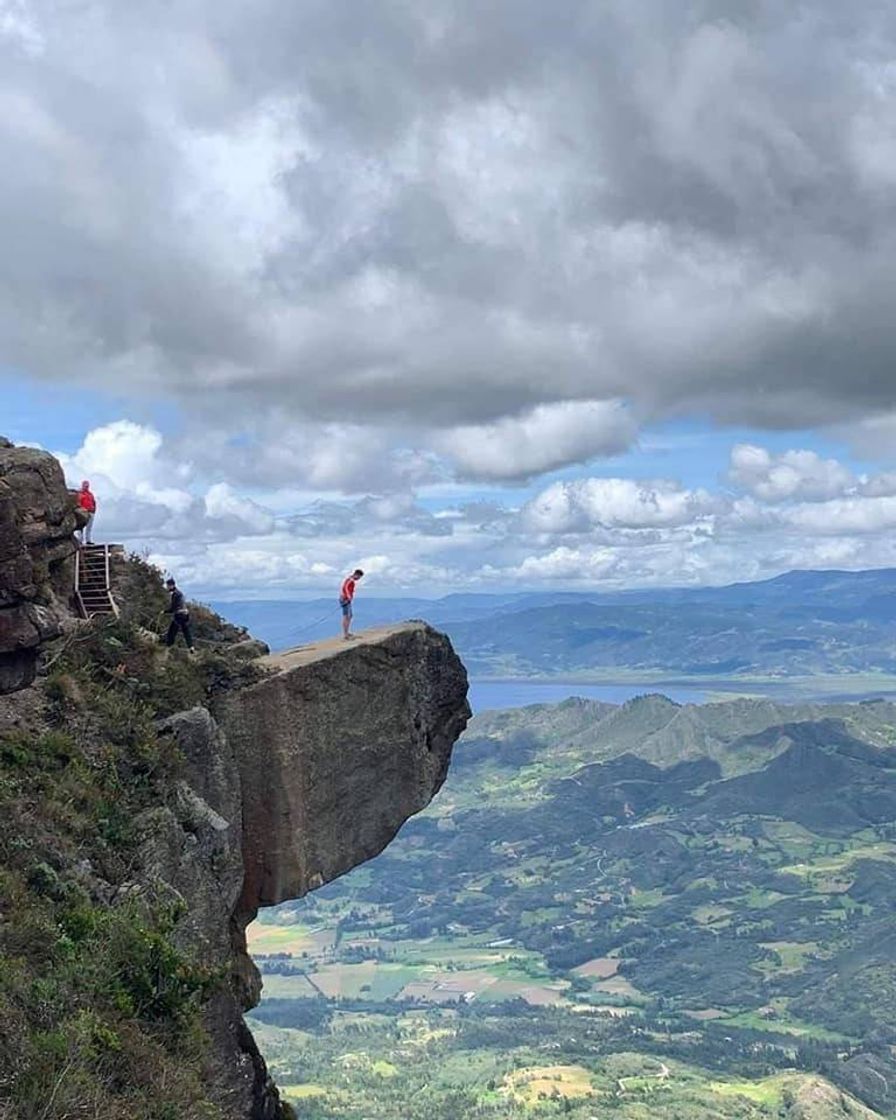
(153,804)
(294,781)
(37,520)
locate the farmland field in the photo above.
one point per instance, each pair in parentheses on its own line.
(639,912)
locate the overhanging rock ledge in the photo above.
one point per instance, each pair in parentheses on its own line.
(276,787)
(302,776)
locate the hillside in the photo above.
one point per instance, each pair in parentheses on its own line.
(801,624)
(153,800)
(603,894)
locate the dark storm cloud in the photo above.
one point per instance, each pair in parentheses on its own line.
(441,214)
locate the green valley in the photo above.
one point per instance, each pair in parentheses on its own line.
(647,910)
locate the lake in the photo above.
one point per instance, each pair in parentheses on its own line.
(493,695)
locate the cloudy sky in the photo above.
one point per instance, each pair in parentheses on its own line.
(478,294)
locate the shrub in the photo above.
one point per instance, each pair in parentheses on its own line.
(99,1008)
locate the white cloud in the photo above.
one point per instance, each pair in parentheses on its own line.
(615,503)
(569,565)
(879,485)
(123,452)
(336,213)
(272,453)
(791,475)
(225,535)
(542,439)
(232,190)
(844,516)
(222,503)
(130,471)
(19,27)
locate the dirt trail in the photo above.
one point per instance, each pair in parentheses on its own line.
(663,1075)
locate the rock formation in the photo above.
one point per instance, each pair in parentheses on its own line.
(37,519)
(294,781)
(281,785)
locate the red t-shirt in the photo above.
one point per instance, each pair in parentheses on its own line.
(86,501)
(348,589)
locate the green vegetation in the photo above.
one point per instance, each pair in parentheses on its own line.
(581,931)
(519,1063)
(99,1007)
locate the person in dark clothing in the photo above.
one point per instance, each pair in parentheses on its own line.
(180,616)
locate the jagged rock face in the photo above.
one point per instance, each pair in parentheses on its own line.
(296,780)
(192,847)
(37,520)
(285,785)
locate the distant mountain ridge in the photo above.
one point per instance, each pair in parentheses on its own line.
(802,623)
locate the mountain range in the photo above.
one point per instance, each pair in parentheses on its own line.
(804,623)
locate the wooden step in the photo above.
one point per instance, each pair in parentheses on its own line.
(92,592)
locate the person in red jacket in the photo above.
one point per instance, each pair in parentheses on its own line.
(346,596)
(87,501)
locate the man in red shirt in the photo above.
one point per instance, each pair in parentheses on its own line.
(87,502)
(346,595)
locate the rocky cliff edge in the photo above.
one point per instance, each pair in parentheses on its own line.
(37,520)
(288,774)
(296,780)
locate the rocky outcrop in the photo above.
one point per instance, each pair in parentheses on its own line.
(388,707)
(294,781)
(37,520)
(280,786)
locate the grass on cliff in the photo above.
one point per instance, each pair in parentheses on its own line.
(99,1010)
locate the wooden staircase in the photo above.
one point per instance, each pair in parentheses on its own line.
(93,593)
